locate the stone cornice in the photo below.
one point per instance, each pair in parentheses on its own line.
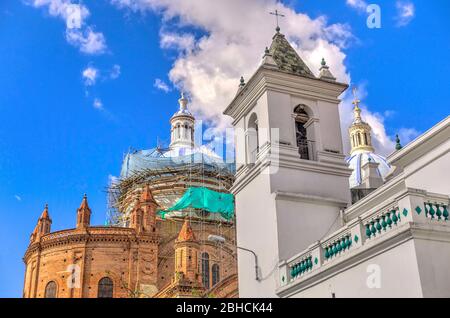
(285,159)
(89,235)
(301,197)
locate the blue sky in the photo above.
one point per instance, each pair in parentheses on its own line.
(64,133)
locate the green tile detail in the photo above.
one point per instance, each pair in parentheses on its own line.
(286,58)
(405,212)
(282,279)
(316,261)
(356,238)
(418,210)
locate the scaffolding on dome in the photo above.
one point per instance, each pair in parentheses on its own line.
(168,177)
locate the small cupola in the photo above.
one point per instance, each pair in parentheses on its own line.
(182,123)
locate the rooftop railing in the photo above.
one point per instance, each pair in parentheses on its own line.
(370,228)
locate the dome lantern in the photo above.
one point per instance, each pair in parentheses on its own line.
(359,131)
(369,168)
(182,122)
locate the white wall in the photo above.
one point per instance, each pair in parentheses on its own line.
(239,143)
(256,230)
(434,260)
(435,175)
(330,129)
(313,183)
(303,223)
(261,111)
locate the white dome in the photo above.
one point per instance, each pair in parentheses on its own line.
(359,159)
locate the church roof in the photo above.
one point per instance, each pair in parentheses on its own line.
(84,204)
(45,214)
(186,233)
(147,195)
(286,58)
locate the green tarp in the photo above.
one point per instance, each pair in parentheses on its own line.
(205,199)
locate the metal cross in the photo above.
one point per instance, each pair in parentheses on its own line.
(277,14)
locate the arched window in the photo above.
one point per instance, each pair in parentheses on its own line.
(365,139)
(301,118)
(105,288)
(252,138)
(205,270)
(215,274)
(359,139)
(50,290)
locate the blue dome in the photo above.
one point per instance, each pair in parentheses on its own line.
(359,159)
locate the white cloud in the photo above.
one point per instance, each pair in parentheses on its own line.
(182,42)
(389,113)
(406,12)
(74,16)
(359,5)
(161,85)
(98,104)
(90,75)
(87,40)
(17,197)
(406,135)
(115,72)
(235,35)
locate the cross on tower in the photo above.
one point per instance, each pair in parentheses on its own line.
(356,101)
(277,14)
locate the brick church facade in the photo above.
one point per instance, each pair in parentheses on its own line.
(141,260)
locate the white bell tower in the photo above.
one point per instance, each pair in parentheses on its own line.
(292,178)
